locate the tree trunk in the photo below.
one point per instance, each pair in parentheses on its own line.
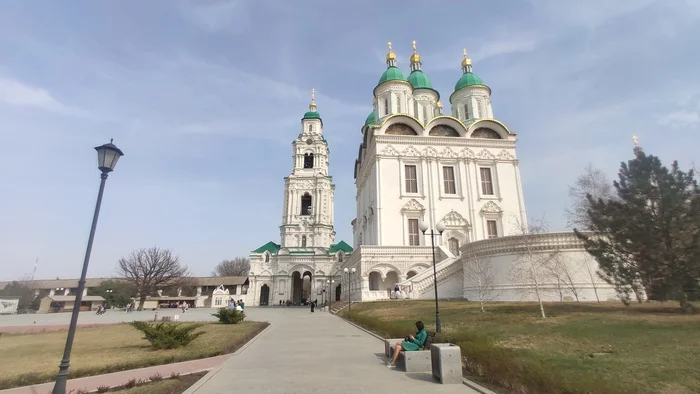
(481,301)
(142,299)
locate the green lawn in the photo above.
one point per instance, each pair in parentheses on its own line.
(33,358)
(606,347)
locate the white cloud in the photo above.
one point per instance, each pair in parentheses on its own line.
(15,93)
(680,118)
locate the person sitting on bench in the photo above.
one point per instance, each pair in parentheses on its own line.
(410,344)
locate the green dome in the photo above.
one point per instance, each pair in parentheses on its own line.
(371,118)
(468,79)
(391,74)
(312,115)
(420,80)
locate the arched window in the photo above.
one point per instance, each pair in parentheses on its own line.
(466,111)
(386,106)
(398,104)
(453,244)
(308,160)
(340,257)
(306,204)
(303,241)
(425,114)
(311,127)
(267,257)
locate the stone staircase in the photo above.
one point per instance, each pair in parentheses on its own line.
(421,284)
(338,306)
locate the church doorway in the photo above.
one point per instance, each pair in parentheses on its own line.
(264,295)
(301,288)
(338,292)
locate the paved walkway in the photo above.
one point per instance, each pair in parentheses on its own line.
(313,353)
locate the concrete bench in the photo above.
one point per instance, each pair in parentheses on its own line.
(446,363)
(414,361)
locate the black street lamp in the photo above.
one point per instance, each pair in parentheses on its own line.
(329,286)
(440,227)
(107,157)
(349,272)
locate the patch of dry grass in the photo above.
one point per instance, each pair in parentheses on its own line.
(34,358)
(644,348)
(176,385)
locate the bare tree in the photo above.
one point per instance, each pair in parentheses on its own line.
(240,266)
(151,269)
(480,276)
(593,182)
(565,275)
(585,265)
(530,267)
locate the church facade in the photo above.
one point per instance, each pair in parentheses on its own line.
(418,167)
(300,267)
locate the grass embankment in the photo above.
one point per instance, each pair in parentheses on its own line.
(578,348)
(33,358)
(175,385)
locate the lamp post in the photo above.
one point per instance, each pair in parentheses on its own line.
(107,157)
(329,286)
(349,272)
(440,227)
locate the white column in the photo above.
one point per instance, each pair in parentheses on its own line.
(378,198)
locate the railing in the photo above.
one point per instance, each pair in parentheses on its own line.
(424,279)
(517,243)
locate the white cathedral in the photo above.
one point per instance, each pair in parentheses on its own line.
(416,168)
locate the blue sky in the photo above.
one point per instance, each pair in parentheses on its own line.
(205,97)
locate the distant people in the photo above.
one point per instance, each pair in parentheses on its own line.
(242,304)
(410,344)
(313,306)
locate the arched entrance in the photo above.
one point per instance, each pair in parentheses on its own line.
(410,274)
(264,295)
(338,292)
(301,287)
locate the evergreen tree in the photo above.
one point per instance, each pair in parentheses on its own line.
(649,237)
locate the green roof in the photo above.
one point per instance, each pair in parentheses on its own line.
(340,246)
(419,80)
(371,118)
(268,247)
(391,74)
(312,115)
(468,79)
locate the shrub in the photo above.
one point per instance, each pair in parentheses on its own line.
(229,316)
(167,335)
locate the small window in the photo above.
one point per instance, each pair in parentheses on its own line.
(466,111)
(311,128)
(425,114)
(448,174)
(303,241)
(486,182)
(415,108)
(267,258)
(413,232)
(453,244)
(308,160)
(340,257)
(411,179)
(491,229)
(306,204)
(386,106)
(398,104)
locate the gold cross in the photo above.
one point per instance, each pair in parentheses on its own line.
(636,140)
(389,44)
(313,94)
(465,52)
(414,45)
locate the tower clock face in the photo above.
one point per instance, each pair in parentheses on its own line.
(309,141)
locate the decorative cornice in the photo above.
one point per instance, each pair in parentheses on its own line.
(446,141)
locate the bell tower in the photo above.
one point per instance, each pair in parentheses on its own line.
(307,219)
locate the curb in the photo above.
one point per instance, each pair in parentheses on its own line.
(474,386)
(195,387)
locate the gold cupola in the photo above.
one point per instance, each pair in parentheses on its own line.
(415,58)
